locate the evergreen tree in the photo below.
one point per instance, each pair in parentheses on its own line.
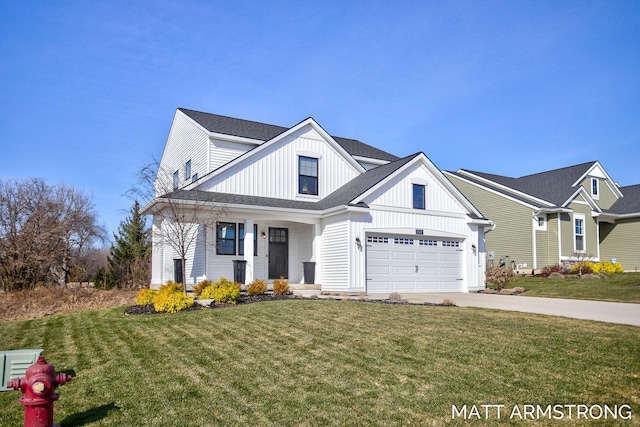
(129,256)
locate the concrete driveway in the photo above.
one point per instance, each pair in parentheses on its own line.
(612,312)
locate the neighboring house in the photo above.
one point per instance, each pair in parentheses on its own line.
(370,221)
(558,216)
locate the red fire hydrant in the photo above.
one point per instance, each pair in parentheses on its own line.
(38,387)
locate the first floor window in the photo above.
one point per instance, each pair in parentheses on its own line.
(226,238)
(307,175)
(579,233)
(230,238)
(177,270)
(418,196)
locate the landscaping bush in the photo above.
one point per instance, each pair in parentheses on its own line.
(499,277)
(145,296)
(171,298)
(608,268)
(257,287)
(583,267)
(546,271)
(222,291)
(280,286)
(201,286)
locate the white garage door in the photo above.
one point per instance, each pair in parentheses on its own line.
(412,264)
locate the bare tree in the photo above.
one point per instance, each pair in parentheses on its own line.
(44,232)
(178,213)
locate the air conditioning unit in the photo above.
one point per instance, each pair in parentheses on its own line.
(14,364)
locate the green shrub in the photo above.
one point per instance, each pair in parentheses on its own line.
(280,286)
(170,298)
(222,291)
(583,267)
(257,287)
(608,267)
(145,296)
(201,286)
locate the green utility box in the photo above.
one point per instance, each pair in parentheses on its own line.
(14,364)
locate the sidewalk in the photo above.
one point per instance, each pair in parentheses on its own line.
(612,312)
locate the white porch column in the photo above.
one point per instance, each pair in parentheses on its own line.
(317,251)
(248,249)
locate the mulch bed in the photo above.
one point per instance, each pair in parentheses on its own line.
(247,299)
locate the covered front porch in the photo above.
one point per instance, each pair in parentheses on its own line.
(264,246)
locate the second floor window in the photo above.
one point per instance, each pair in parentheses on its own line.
(187,170)
(176,180)
(418,196)
(595,187)
(307,175)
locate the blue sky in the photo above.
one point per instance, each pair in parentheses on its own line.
(88,89)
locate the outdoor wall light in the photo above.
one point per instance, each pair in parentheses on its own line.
(358,241)
(263,235)
(473,248)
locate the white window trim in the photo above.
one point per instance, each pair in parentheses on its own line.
(536,222)
(597,182)
(580,216)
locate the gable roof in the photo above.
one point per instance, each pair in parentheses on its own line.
(343,196)
(264,132)
(629,204)
(554,186)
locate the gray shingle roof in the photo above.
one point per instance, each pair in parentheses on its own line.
(264,132)
(343,196)
(554,186)
(630,203)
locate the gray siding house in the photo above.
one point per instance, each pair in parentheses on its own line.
(563,215)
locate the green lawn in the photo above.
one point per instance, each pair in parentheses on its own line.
(621,287)
(324,363)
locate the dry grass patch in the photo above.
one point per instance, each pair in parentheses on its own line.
(42,302)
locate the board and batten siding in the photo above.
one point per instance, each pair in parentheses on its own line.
(335,255)
(273,172)
(400,195)
(512,235)
(186,141)
(617,241)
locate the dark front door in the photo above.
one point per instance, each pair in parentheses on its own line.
(278,253)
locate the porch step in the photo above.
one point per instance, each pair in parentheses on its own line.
(301,287)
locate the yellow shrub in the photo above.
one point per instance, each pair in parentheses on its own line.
(280,286)
(257,287)
(583,267)
(608,267)
(171,298)
(222,291)
(197,289)
(145,296)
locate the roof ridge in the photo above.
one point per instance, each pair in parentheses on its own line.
(234,118)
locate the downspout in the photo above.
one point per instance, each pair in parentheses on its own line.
(534,249)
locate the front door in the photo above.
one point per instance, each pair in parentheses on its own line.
(278,253)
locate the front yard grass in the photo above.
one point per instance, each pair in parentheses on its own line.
(325,363)
(620,287)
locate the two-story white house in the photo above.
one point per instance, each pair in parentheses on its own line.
(367,220)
